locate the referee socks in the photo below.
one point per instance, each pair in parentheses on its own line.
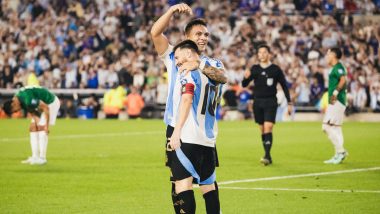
(267,143)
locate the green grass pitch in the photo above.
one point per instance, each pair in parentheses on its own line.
(118,167)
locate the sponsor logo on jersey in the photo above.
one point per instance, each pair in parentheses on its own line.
(270,81)
(183,81)
(33,102)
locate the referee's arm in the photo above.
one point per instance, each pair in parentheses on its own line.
(248,77)
(282,82)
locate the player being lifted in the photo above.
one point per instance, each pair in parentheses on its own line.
(195,30)
(333,119)
(195,132)
(43,106)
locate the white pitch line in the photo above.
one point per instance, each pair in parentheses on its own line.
(301,190)
(86,135)
(298,176)
(95,135)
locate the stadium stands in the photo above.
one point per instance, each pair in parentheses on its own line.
(62,44)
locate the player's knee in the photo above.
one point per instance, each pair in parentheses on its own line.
(268,127)
(183,185)
(207,188)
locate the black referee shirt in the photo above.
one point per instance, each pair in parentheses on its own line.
(265,81)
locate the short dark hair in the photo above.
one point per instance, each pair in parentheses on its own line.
(337,51)
(7,107)
(187,44)
(192,23)
(263,46)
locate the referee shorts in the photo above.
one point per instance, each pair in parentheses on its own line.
(264,110)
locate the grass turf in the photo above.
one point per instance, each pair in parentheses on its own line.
(117,167)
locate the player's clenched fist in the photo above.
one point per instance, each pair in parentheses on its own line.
(181,8)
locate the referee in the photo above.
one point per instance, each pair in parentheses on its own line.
(265,77)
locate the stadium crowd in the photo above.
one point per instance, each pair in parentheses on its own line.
(106,44)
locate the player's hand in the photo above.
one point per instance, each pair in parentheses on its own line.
(46,129)
(174,140)
(181,8)
(290,109)
(247,73)
(333,99)
(188,66)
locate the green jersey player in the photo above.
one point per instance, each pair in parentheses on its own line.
(333,119)
(43,106)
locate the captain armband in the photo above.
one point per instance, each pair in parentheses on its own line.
(188,88)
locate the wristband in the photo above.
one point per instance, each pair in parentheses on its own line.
(202,65)
(336,92)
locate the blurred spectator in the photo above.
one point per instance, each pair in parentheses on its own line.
(316,91)
(244,103)
(113,102)
(359,97)
(375,98)
(162,91)
(68,109)
(302,91)
(134,104)
(7,77)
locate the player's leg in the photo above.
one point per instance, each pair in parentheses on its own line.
(208,185)
(336,130)
(43,138)
(185,193)
(42,142)
(211,197)
(328,129)
(331,126)
(184,167)
(169,153)
(216,165)
(33,133)
(340,109)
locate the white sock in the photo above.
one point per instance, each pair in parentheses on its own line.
(339,139)
(43,142)
(332,135)
(34,144)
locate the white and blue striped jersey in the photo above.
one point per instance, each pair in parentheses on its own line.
(201,126)
(169,61)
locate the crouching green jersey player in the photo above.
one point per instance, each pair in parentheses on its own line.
(43,106)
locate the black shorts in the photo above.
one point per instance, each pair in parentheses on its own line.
(169,153)
(192,160)
(265,110)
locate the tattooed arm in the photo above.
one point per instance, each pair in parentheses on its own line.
(216,74)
